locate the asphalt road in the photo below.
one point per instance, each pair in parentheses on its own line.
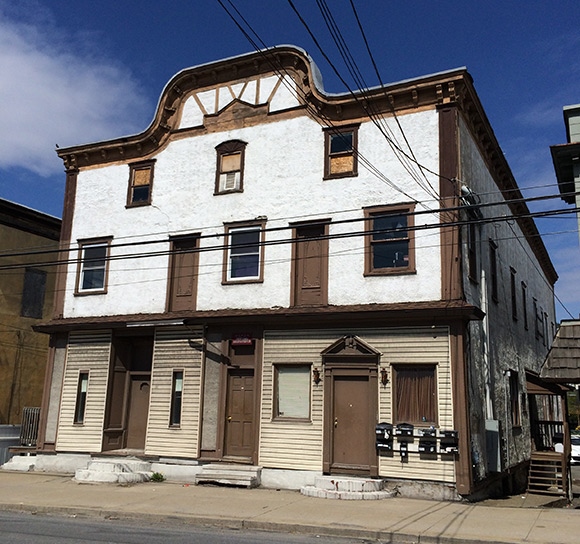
(41,529)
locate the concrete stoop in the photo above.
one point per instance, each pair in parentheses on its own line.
(227,474)
(115,470)
(332,487)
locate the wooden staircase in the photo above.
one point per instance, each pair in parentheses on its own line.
(548,474)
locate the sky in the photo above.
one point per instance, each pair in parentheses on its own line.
(82,71)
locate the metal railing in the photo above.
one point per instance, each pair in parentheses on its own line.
(29,426)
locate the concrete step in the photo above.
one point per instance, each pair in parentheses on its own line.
(347,488)
(228,474)
(115,470)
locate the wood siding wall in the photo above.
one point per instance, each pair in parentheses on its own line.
(86,351)
(175,349)
(299,445)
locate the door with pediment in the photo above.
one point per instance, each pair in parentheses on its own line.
(350,382)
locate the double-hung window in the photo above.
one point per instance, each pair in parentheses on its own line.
(244,253)
(176,398)
(340,152)
(93,267)
(140,183)
(390,247)
(230,167)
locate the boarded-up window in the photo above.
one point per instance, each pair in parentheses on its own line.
(230,166)
(140,183)
(292,391)
(33,292)
(340,152)
(415,394)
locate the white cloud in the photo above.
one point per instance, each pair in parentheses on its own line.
(53,92)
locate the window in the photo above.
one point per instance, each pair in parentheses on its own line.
(513,294)
(539,320)
(415,394)
(514,389)
(81,402)
(292,385)
(33,291)
(176,397)
(390,243)
(525,304)
(140,183)
(93,266)
(230,167)
(340,152)
(244,254)
(493,269)
(472,251)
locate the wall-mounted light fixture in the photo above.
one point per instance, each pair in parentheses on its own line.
(384,376)
(316,375)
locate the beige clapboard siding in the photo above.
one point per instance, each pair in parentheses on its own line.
(300,445)
(86,351)
(175,349)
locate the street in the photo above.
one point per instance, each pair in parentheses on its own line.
(16,528)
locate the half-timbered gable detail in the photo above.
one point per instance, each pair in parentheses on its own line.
(260,277)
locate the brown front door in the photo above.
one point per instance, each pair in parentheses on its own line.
(138,410)
(239,433)
(352,425)
(310,266)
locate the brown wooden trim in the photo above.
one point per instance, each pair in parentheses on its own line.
(460,388)
(173,240)
(141,165)
(451,266)
(65,239)
(335,130)
(81,245)
(372,211)
(325,256)
(226,148)
(225,267)
(41,441)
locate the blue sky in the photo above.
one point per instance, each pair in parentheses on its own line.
(79,71)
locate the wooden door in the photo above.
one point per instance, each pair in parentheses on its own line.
(239,431)
(183,278)
(352,426)
(310,266)
(138,411)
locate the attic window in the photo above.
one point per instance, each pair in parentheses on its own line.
(230,167)
(140,183)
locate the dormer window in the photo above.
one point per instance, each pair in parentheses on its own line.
(230,167)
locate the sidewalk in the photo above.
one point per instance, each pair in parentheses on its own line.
(389,520)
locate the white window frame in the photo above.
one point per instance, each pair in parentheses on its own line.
(84,267)
(232,256)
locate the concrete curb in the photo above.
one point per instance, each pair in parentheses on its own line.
(243,524)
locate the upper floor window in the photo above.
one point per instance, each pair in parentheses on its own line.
(244,253)
(493,270)
(390,244)
(32,303)
(340,145)
(230,167)
(140,183)
(93,266)
(513,294)
(525,304)
(472,264)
